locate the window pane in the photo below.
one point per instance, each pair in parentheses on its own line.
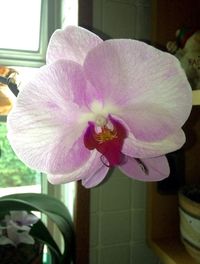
(21,20)
(13,172)
(21,75)
(15,176)
(6,96)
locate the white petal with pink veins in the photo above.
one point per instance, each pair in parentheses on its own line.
(152,169)
(141,80)
(43,127)
(142,149)
(72,43)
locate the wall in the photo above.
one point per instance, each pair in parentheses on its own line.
(117,222)
(118,206)
(123,18)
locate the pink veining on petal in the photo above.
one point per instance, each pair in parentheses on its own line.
(96,178)
(72,43)
(151,101)
(48,137)
(142,149)
(91,173)
(152,169)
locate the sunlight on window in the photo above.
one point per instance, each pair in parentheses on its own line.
(22,24)
(25,74)
(22,32)
(16,177)
(69,12)
(7,98)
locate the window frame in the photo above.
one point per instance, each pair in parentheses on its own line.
(82,196)
(3,119)
(50,21)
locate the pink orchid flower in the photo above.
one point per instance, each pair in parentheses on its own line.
(101,104)
(16,228)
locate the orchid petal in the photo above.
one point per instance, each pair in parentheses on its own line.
(153,118)
(92,168)
(6,241)
(158,169)
(18,227)
(96,178)
(72,43)
(76,174)
(95,173)
(140,149)
(13,235)
(19,237)
(18,215)
(21,217)
(31,219)
(149,78)
(25,238)
(42,127)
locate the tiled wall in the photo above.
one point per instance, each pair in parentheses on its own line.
(118,207)
(123,18)
(118,222)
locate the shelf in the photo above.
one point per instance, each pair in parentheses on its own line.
(163,216)
(163,228)
(171,251)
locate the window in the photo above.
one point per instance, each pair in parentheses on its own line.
(15,176)
(23,42)
(23,47)
(24,50)
(28,26)
(25,15)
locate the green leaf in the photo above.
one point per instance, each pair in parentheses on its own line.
(55,210)
(41,233)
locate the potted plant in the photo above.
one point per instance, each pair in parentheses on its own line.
(189,202)
(16,243)
(22,235)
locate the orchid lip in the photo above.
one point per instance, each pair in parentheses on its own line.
(123,160)
(108,139)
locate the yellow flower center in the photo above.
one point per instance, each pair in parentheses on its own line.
(106,135)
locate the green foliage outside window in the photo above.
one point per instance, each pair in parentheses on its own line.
(12,171)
